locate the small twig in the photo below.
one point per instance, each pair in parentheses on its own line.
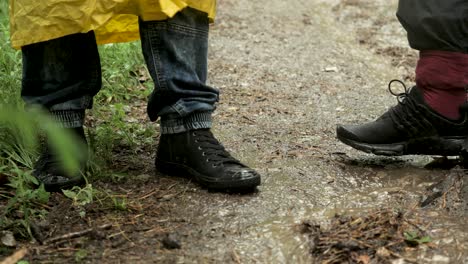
(362,243)
(444,196)
(125,236)
(45,206)
(125,190)
(236,257)
(147,195)
(416,226)
(76,234)
(138,215)
(396,255)
(248,119)
(186,186)
(15,257)
(116,234)
(68,249)
(395,243)
(171,186)
(444,199)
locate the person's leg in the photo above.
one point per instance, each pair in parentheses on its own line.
(434,24)
(62,76)
(439,30)
(175,51)
(433,117)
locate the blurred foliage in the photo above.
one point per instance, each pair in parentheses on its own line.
(19,141)
(125,81)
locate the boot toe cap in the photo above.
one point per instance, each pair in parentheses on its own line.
(241,177)
(348,132)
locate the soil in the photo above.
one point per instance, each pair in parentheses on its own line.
(288,72)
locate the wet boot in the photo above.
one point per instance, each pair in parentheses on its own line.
(409,128)
(49,169)
(197,153)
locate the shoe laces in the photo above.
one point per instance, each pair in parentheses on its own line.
(400,96)
(213,150)
(407,114)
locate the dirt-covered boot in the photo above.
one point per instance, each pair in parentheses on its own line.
(197,153)
(411,127)
(49,168)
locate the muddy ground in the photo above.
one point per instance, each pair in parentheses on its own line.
(289,71)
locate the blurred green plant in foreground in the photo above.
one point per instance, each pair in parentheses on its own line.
(126,85)
(20,134)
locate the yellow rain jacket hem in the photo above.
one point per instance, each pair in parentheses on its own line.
(33,21)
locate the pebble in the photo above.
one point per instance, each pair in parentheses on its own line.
(8,239)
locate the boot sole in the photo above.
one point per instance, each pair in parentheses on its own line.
(58,187)
(175,169)
(438,146)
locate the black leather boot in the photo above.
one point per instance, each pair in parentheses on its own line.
(411,127)
(197,153)
(49,170)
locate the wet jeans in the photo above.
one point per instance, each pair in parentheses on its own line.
(64,74)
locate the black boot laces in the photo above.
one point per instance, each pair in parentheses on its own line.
(407,115)
(214,152)
(400,96)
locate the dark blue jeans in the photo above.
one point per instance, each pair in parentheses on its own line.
(64,74)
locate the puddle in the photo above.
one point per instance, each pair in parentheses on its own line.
(267,224)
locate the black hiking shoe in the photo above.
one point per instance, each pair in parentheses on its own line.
(200,155)
(409,128)
(49,169)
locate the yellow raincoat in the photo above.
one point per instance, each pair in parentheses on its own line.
(33,21)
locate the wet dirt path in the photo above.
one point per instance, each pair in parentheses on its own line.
(289,71)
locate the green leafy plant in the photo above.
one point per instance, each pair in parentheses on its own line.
(413,238)
(120,203)
(24,206)
(80,255)
(81,197)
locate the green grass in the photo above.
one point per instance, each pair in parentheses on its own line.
(126,86)
(122,64)
(10,63)
(125,82)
